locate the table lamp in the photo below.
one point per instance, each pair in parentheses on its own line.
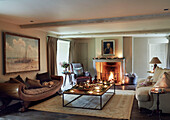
(155,61)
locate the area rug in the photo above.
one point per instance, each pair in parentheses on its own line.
(119,106)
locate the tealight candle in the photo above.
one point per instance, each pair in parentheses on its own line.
(101,81)
(105,82)
(105,86)
(88,81)
(71,90)
(90,92)
(97,90)
(156,89)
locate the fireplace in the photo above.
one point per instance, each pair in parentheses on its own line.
(110,69)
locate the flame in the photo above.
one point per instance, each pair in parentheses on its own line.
(123,81)
(111,76)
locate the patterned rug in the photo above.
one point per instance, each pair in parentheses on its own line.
(119,106)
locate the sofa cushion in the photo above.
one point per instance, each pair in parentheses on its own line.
(147,82)
(13,80)
(32,83)
(43,77)
(164,81)
(17,79)
(142,93)
(42,90)
(157,74)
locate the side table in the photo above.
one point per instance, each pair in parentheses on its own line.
(158,91)
(69,74)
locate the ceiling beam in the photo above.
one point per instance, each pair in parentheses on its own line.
(100,20)
(119,33)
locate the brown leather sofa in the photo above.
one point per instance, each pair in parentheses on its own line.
(18,91)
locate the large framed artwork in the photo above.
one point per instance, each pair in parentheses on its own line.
(21,53)
(108,47)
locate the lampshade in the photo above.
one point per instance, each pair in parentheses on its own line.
(155,60)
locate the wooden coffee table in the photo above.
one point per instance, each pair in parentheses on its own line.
(103,93)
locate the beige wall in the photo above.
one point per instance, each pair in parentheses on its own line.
(127,53)
(91,51)
(141,54)
(7,27)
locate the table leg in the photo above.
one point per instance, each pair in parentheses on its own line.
(70,80)
(65,80)
(158,110)
(100,102)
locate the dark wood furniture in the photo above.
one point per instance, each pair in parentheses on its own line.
(18,91)
(157,91)
(92,93)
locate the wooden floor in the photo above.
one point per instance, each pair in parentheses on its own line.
(11,113)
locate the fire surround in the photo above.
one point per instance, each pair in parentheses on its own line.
(98,65)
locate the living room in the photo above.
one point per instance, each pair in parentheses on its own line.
(62,32)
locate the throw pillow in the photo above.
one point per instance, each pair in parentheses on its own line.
(33,83)
(158,72)
(164,81)
(78,71)
(17,79)
(43,77)
(20,79)
(13,80)
(147,82)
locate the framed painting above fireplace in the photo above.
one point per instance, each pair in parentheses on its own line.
(108,47)
(21,53)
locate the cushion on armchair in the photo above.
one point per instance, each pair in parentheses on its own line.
(78,71)
(43,77)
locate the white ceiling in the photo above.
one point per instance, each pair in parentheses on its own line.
(23,11)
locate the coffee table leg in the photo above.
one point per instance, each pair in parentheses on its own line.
(63,100)
(100,102)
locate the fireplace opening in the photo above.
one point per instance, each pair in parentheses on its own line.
(109,71)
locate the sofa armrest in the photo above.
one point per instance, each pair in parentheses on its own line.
(54,77)
(10,90)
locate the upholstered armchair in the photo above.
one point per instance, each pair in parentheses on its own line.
(79,74)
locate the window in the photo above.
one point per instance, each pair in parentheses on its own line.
(62,54)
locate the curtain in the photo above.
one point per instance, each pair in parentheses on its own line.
(168,55)
(52,55)
(71,52)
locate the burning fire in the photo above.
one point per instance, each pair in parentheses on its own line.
(123,81)
(111,76)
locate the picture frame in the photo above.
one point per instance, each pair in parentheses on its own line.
(21,53)
(108,47)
